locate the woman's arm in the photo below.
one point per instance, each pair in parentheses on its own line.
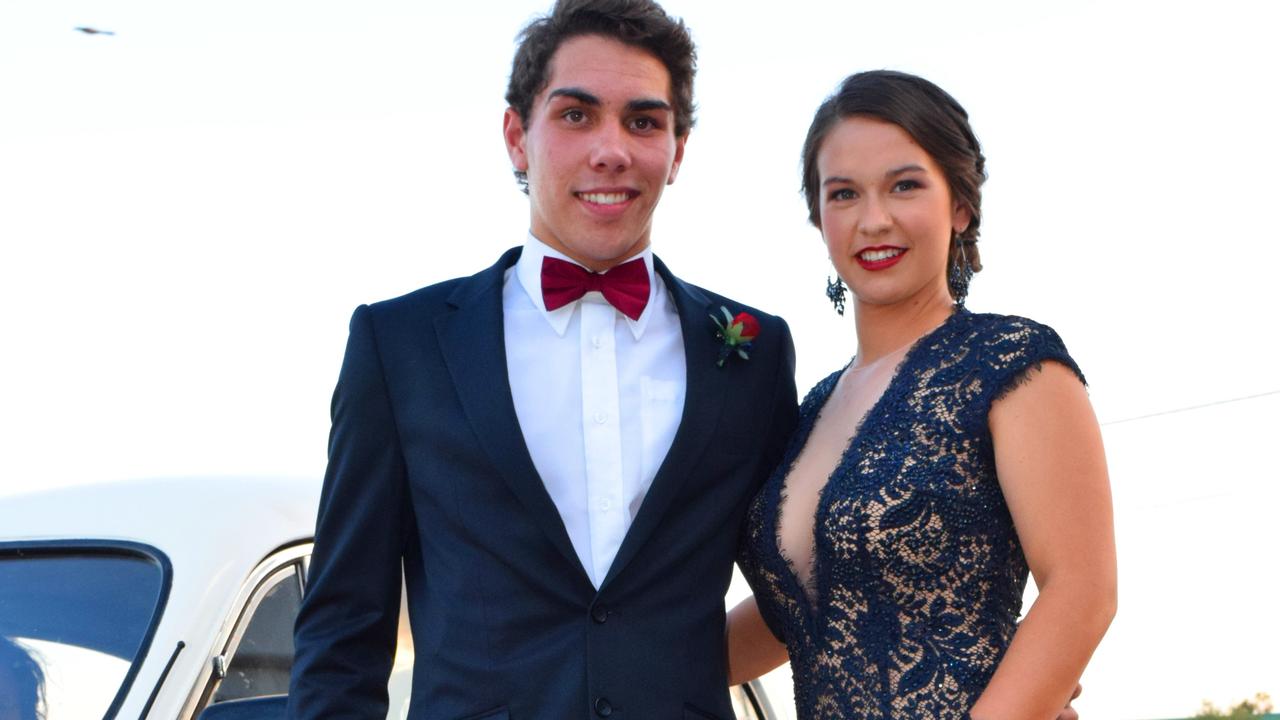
(1051,467)
(753,650)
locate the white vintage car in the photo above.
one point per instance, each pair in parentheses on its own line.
(165,599)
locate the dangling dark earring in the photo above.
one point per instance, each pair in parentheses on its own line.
(835,293)
(959,274)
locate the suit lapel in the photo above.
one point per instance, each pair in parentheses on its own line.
(705,388)
(472,342)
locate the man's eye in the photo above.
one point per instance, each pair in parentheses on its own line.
(575,116)
(643,123)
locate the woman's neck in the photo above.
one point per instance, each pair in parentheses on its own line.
(886,329)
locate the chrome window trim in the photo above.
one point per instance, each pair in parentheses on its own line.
(252,590)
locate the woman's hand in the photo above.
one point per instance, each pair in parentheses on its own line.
(1052,471)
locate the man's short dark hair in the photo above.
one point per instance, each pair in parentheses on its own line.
(639,23)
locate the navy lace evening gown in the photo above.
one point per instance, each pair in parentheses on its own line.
(918,573)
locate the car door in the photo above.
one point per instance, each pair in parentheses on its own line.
(253,653)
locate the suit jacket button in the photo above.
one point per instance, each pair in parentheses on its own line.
(603,708)
(599,614)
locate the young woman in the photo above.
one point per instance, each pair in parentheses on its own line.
(953,454)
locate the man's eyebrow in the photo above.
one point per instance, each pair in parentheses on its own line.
(647,104)
(586,98)
(578,94)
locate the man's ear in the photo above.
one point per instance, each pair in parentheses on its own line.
(514,135)
(675,164)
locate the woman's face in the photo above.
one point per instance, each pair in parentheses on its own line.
(886,213)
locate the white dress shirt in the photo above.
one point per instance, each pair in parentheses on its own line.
(598,396)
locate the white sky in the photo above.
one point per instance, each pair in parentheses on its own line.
(190,210)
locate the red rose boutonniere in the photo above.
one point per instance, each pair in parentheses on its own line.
(736,333)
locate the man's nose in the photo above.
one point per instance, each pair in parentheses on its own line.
(611,151)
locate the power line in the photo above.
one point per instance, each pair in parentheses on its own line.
(1189,408)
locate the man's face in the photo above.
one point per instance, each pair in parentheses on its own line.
(598,149)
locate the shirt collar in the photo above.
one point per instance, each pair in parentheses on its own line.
(529,271)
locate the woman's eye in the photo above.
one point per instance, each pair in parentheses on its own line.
(841,194)
(905,185)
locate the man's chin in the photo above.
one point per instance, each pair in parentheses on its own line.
(603,253)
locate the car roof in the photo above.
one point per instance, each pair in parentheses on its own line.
(182,515)
(213,531)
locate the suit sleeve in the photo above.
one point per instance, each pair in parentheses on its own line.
(345,633)
(784,408)
(784,415)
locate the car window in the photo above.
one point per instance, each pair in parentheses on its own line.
(73,620)
(262,660)
(258,653)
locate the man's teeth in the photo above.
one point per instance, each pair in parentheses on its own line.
(878,255)
(604,198)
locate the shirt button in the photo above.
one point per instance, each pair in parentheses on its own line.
(603,708)
(605,504)
(601,418)
(596,342)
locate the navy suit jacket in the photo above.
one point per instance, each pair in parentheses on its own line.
(428,471)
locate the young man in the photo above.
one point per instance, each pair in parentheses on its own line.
(559,449)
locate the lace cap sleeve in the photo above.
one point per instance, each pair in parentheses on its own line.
(817,394)
(1013,348)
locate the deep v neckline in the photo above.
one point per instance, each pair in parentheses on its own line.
(813,605)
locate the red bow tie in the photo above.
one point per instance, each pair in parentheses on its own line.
(626,286)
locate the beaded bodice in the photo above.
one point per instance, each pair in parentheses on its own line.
(918,573)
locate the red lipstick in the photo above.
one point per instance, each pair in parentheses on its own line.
(880,264)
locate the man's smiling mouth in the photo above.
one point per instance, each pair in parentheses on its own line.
(606,198)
